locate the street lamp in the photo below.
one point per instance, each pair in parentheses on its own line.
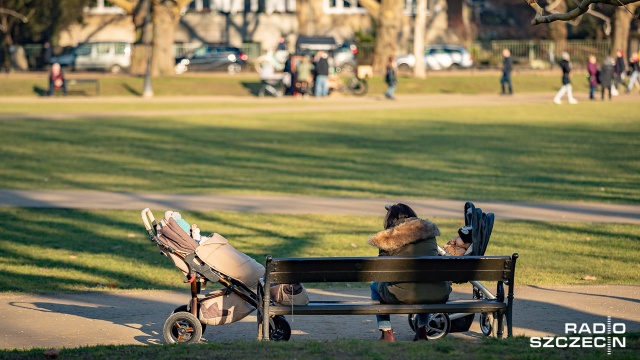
(147,92)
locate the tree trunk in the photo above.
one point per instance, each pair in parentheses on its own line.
(8,41)
(621,28)
(164,30)
(418,39)
(139,54)
(387,34)
(558,29)
(304,17)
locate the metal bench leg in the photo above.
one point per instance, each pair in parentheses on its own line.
(500,330)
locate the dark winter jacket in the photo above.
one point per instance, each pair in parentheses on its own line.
(633,66)
(606,75)
(322,67)
(390,77)
(620,65)
(507,65)
(414,237)
(566,70)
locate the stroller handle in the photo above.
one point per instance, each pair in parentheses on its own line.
(146,215)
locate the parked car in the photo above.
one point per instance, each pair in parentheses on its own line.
(438,57)
(212,58)
(114,57)
(343,56)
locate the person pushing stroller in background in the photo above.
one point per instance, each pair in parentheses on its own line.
(407,235)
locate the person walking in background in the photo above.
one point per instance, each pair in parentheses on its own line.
(56,80)
(565,65)
(592,69)
(633,67)
(507,66)
(391,79)
(322,75)
(606,76)
(619,71)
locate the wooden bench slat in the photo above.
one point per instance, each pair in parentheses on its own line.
(368,308)
(389,269)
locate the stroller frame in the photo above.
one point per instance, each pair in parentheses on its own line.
(440,323)
(184,324)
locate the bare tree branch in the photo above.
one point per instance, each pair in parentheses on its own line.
(603,17)
(581,9)
(23,18)
(372,6)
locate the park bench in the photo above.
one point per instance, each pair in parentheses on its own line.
(457,269)
(96,82)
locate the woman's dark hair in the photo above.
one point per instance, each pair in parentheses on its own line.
(397,214)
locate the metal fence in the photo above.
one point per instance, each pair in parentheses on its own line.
(534,54)
(538,54)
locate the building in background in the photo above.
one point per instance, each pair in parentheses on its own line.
(237,22)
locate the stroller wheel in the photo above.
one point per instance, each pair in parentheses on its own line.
(279,329)
(486,323)
(413,321)
(182,327)
(439,326)
(489,324)
(185,308)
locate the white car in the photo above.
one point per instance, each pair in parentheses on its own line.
(438,57)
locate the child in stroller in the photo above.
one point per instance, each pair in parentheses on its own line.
(212,259)
(472,240)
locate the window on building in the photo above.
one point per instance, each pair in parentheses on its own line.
(411,7)
(245,6)
(343,7)
(103,7)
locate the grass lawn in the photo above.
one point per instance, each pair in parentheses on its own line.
(445,349)
(588,152)
(466,82)
(75,250)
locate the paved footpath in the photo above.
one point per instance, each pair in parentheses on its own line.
(137,317)
(98,200)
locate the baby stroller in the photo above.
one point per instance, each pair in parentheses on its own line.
(441,324)
(211,260)
(272,83)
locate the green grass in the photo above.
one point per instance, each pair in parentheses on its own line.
(74,250)
(588,152)
(248,84)
(445,349)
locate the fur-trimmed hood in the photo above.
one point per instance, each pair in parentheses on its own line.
(406,233)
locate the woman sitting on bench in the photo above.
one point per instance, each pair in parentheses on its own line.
(57,80)
(407,235)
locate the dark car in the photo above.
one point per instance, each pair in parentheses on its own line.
(212,58)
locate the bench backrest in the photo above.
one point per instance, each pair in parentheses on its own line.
(391,269)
